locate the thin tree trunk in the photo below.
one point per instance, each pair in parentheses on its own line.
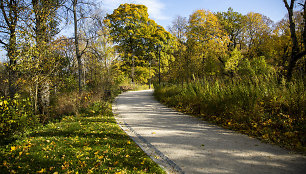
(36,98)
(77,51)
(12,65)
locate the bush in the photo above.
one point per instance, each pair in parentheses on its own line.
(72,103)
(67,103)
(97,108)
(15,116)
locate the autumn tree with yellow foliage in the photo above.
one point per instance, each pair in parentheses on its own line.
(208,43)
(137,36)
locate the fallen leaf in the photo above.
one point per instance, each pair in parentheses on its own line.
(13,148)
(41,171)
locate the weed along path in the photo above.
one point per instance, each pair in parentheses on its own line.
(184,144)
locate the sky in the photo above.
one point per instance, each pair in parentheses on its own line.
(164,11)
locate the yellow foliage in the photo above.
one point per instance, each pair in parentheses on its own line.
(13,148)
(207,40)
(42,171)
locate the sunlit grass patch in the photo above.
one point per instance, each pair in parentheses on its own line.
(77,144)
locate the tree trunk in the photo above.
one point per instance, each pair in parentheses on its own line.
(44,97)
(77,51)
(296,54)
(36,98)
(11,16)
(12,64)
(42,11)
(133,69)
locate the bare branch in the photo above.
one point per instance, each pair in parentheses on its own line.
(3,43)
(4,13)
(87,43)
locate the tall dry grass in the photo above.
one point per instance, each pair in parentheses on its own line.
(264,107)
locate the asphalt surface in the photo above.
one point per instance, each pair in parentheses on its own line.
(184,144)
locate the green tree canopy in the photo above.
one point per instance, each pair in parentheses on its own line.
(232,23)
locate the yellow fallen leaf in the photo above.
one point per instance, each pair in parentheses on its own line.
(5,163)
(265,136)
(13,148)
(41,171)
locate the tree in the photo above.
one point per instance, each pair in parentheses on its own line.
(281,44)
(100,55)
(76,42)
(231,64)
(81,10)
(297,53)
(257,33)
(137,36)
(10,15)
(179,28)
(179,31)
(3,77)
(208,42)
(232,23)
(45,29)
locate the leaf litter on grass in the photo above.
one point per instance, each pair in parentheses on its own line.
(93,144)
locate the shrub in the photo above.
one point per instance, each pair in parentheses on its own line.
(67,103)
(15,116)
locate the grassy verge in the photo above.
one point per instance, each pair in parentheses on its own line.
(263,108)
(89,143)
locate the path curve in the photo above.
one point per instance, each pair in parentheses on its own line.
(184,144)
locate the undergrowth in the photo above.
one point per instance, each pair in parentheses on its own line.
(267,108)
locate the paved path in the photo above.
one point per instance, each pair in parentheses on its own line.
(184,144)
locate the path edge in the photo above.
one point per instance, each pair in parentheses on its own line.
(158,157)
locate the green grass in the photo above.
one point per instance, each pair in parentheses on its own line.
(89,143)
(261,107)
